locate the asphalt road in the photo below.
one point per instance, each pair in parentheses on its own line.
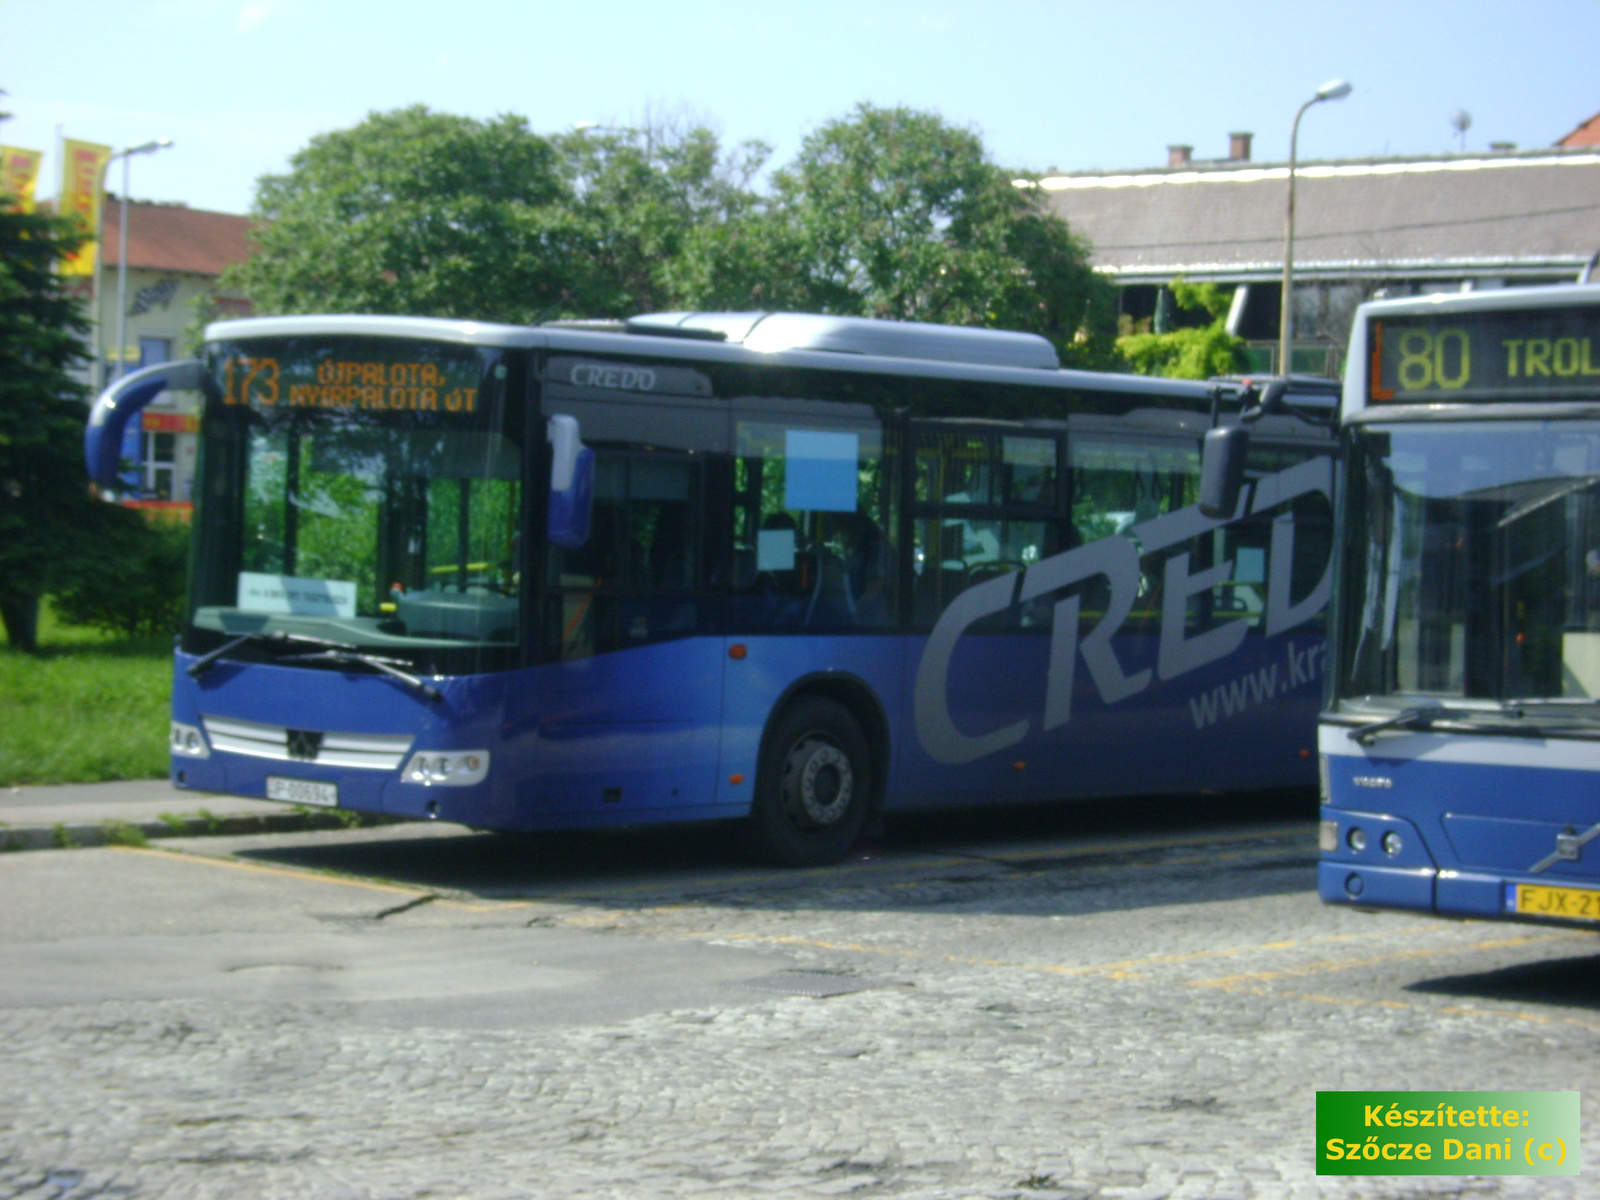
(1133,1000)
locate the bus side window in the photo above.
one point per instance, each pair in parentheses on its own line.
(1248,544)
(1118,484)
(985,508)
(812,528)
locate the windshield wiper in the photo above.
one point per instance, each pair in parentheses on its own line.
(277,638)
(1421,717)
(1560,492)
(350,657)
(1557,702)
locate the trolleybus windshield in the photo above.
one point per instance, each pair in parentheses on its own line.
(1473,570)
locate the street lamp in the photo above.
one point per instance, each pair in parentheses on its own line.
(122,243)
(1334,89)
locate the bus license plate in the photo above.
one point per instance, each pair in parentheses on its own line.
(302,791)
(1573,904)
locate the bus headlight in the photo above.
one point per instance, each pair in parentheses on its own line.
(446,768)
(1356,839)
(188,741)
(1393,843)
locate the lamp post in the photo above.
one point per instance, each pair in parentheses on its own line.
(122,243)
(1334,89)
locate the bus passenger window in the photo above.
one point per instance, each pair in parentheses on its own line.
(812,542)
(986,507)
(1117,485)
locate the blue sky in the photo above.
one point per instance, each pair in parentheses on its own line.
(239,85)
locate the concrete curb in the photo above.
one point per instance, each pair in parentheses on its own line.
(65,836)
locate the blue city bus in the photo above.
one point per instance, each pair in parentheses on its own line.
(788,570)
(1460,742)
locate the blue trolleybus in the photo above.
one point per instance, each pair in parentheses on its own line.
(1461,740)
(785,569)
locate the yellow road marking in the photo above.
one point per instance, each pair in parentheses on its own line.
(1347,964)
(315,876)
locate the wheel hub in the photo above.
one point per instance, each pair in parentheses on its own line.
(818,782)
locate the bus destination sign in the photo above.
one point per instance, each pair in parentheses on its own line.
(1552,354)
(422,383)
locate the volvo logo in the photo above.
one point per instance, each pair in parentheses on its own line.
(1372,781)
(303,744)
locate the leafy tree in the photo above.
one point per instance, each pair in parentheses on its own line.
(51,529)
(640,198)
(886,213)
(894,213)
(416,212)
(136,587)
(1197,351)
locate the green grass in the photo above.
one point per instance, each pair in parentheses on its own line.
(89,707)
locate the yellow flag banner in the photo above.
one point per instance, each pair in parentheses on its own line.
(19,171)
(83,168)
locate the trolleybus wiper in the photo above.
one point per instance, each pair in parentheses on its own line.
(1557,702)
(1421,717)
(348,657)
(277,638)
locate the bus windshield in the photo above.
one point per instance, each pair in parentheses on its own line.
(363,493)
(1474,570)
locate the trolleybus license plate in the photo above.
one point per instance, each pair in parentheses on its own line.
(1536,900)
(302,791)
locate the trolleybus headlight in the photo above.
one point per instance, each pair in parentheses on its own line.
(1356,839)
(188,741)
(1393,843)
(447,768)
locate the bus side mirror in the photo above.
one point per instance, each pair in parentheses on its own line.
(1222,457)
(120,403)
(571,484)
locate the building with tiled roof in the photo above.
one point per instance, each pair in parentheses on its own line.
(175,255)
(171,237)
(1587,134)
(1363,227)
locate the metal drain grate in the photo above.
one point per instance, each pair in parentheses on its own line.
(811,983)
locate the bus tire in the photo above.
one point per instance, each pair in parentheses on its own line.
(813,786)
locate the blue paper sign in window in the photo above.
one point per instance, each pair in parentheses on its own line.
(820,470)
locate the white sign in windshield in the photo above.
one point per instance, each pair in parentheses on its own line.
(299,597)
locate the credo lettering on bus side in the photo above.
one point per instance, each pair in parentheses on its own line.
(618,379)
(1116,559)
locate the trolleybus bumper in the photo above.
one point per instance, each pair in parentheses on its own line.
(1376,887)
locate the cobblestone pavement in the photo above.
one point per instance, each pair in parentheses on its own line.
(1134,1017)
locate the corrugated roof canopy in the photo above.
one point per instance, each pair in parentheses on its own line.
(1505,213)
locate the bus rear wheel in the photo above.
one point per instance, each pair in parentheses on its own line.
(813,786)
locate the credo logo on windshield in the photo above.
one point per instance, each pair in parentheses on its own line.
(619,379)
(1115,560)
